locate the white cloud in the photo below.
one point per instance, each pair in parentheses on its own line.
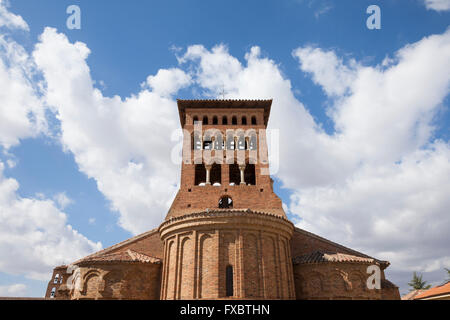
(124,144)
(438,5)
(10,20)
(13,290)
(34,234)
(22,114)
(62,200)
(168,81)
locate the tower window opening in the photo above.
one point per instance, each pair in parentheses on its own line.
(229,281)
(230,141)
(225,202)
(207,145)
(205,120)
(216,173)
(241,143)
(195,119)
(244,120)
(56,280)
(215,120)
(249,174)
(52,294)
(224,120)
(254,121)
(197,142)
(200,174)
(234,174)
(234,120)
(252,142)
(218,142)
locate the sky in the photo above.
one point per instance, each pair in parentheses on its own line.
(88,120)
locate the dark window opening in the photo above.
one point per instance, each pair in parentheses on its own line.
(254,120)
(215,120)
(234,120)
(224,120)
(244,120)
(249,174)
(234,174)
(229,281)
(195,119)
(225,202)
(205,120)
(216,173)
(200,174)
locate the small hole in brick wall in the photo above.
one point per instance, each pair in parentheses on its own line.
(189,205)
(261,190)
(189,190)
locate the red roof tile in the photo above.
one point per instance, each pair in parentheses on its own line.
(443,289)
(321,257)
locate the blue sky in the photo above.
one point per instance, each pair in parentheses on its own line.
(68,163)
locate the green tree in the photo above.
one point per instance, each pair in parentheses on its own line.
(417,283)
(448,274)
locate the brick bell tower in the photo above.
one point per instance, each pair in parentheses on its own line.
(226,234)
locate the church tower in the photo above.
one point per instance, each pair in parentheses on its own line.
(226,234)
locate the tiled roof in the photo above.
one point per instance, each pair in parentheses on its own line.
(412,294)
(321,257)
(443,289)
(118,245)
(122,256)
(383,263)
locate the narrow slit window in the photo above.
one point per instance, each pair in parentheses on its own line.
(229,281)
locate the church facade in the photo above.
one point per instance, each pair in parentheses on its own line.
(226,235)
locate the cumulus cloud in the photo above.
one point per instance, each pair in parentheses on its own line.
(9,19)
(438,5)
(22,113)
(124,144)
(168,81)
(392,200)
(13,290)
(62,200)
(34,234)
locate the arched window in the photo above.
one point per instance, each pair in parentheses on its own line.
(56,280)
(254,120)
(52,293)
(225,202)
(224,120)
(194,119)
(244,120)
(205,120)
(234,120)
(215,120)
(229,281)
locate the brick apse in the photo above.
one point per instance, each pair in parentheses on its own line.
(226,235)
